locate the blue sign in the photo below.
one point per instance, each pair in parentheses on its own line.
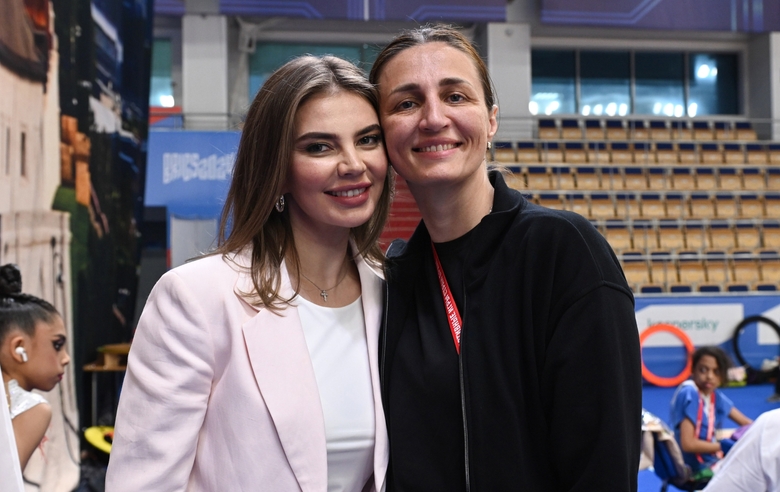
(189,172)
(706,320)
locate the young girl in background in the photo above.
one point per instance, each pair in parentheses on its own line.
(33,355)
(699,408)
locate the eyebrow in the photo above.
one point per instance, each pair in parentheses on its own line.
(331,136)
(412,86)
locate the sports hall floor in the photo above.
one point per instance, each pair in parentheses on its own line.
(751,400)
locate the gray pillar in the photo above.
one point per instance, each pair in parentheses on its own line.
(205,71)
(764,85)
(509,61)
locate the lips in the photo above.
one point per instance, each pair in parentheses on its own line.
(347,193)
(437,148)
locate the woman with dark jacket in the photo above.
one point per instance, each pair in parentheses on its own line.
(510,357)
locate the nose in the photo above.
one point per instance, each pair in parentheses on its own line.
(351,163)
(433,115)
(65,359)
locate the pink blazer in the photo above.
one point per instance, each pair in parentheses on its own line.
(221,395)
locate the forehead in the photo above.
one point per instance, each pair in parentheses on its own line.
(333,111)
(429,62)
(707,360)
(53,328)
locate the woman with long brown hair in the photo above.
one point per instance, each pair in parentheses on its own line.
(255,368)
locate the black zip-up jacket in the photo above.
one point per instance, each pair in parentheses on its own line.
(550,370)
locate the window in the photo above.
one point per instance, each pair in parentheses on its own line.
(605,83)
(617,83)
(161,89)
(23,154)
(552,84)
(270,56)
(660,83)
(712,83)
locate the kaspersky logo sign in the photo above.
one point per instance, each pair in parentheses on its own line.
(705,324)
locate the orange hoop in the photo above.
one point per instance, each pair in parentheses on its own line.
(662,381)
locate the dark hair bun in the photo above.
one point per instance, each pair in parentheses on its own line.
(10,280)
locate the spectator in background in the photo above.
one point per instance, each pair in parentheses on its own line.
(698,410)
(33,356)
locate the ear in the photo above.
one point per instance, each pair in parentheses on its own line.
(492,122)
(16,340)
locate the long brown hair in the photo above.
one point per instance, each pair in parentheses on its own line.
(262,164)
(432,34)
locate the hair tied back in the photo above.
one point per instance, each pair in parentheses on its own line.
(10,280)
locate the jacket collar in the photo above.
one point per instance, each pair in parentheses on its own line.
(285,377)
(507,204)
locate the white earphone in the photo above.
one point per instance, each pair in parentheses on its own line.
(22,353)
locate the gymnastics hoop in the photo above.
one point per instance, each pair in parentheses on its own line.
(665,382)
(741,327)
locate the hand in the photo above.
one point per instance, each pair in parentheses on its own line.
(726,444)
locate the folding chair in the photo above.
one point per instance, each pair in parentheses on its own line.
(527,152)
(598,153)
(659,130)
(503,152)
(574,153)
(548,129)
(687,153)
(570,129)
(616,130)
(551,152)
(702,130)
(745,131)
(665,153)
(515,179)
(642,153)
(639,130)
(682,178)
(756,154)
(594,130)
(621,154)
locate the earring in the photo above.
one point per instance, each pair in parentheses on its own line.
(280,204)
(490,145)
(22,353)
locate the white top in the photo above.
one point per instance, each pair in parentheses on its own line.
(21,399)
(753,464)
(336,338)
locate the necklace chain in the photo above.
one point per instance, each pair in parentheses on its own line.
(324,292)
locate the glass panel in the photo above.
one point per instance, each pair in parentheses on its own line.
(161,90)
(552,82)
(712,80)
(660,83)
(270,56)
(605,87)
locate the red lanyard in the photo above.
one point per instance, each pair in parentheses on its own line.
(710,421)
(453,316)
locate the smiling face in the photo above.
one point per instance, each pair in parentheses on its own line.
(338,163)
(47,356)
(434,115)
(706,374)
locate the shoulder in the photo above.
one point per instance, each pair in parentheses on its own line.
(25,401)
(723,401)
(34,420)
(685,392)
